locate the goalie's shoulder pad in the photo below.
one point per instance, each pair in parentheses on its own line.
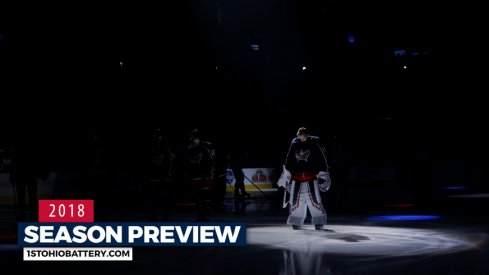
(314,139)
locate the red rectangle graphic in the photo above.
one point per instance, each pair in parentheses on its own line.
(66,211)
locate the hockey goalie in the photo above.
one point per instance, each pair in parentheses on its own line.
(305,175)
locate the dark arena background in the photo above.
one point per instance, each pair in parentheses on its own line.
(91,93)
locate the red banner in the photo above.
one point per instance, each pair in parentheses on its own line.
(66,211)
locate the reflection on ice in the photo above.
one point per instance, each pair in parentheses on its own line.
(381,248)
(362,240)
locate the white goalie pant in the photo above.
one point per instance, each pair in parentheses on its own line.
(305,195)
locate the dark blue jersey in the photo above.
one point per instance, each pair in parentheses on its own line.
(201,160)
(306,157)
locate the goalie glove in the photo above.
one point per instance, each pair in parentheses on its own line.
(284,180)
(324,181)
